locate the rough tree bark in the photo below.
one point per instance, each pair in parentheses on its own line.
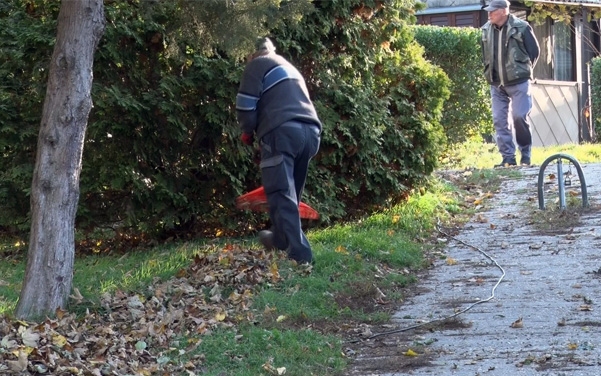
(55,186)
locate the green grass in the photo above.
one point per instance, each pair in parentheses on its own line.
(12,272)
(296,323)
(478,155)
(300,352)
(94,275)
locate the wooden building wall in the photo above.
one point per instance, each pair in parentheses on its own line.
(463,19)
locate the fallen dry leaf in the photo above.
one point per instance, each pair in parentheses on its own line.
(519,323)
(132,333)
(8,343)
(20,364)
(76,296)
(29,337)
(281,318)
(268,366)
(341,249)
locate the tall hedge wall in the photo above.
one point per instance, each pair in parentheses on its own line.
(457,51)
(162,152)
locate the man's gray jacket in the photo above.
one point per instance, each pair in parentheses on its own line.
(509,53)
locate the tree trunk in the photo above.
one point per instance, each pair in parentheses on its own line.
(55,185)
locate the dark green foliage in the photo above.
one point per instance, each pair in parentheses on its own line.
(457,51)
(596,95)
(240,22)
(379,99)
(162,152)
(167,120)
(26,41)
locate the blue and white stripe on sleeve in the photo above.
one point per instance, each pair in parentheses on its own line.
(279,74)
(246,102)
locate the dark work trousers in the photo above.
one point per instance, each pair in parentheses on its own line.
(285,155)
(519,98)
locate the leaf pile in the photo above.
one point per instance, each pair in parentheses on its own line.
(138,334)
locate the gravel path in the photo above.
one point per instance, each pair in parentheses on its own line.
(544,318)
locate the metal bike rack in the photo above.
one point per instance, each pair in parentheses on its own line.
(560,180)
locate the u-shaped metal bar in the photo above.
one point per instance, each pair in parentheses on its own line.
(560,181)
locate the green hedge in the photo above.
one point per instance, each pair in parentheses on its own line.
(162,152)
(457,51)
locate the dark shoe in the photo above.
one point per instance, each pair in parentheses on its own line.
(525,161)
(507,162)
(266,238)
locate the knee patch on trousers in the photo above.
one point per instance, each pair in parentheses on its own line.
(274,174)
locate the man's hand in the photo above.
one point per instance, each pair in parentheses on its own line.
(247,139)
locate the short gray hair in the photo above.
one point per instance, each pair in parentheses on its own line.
(264,45)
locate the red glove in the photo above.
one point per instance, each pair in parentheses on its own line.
(247,139)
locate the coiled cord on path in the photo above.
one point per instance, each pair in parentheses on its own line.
(492,294)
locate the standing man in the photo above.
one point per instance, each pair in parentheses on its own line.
(273,106)
(510,51)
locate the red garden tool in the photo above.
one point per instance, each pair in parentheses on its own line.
(257,201)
